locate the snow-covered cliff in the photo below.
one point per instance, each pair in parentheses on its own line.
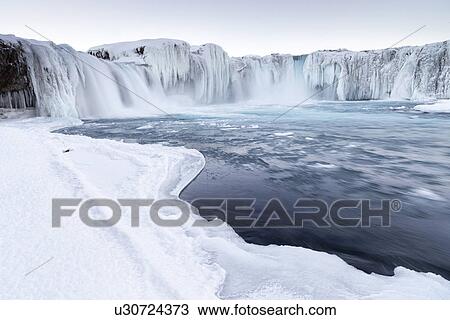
(399,73)
(125,79)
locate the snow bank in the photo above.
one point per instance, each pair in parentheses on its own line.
(117,262)
(147,262)
(442,106)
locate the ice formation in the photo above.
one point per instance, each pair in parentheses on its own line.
(124,79)
(440,106)
(64,82)
(202,72)
(398,73)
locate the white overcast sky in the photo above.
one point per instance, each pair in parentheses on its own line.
(240,27)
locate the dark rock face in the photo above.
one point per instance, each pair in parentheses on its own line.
(140,51)
(101,54)
(16,91)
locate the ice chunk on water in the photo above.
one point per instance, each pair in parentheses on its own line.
(442,106)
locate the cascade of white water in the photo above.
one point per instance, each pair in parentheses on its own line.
(124,79)
(70,83)
(210,74)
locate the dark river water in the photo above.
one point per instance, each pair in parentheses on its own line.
(326,151)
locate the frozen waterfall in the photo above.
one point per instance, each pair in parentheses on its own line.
(64,82)
(399,73)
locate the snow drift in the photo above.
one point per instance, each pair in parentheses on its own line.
(126,79)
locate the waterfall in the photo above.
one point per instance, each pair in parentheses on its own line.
(126,79)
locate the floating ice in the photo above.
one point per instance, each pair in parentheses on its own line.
(145,127)
(442,106)
(283,134)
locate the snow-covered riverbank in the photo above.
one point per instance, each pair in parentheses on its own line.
(149,261)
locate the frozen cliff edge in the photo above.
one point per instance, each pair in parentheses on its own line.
(398,73)
(125,79)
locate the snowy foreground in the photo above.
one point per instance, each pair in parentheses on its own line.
(149,261)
